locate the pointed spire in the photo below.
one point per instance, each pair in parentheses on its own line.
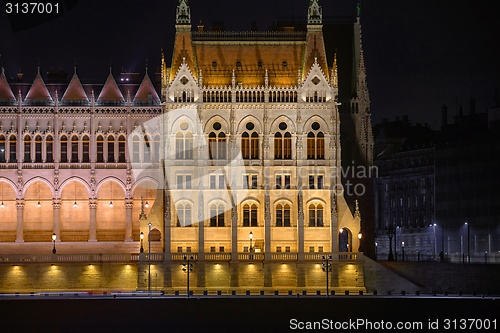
(146,94)
(183,15)
(335,73)
(111,94)
(357,213)
(38,93)
(6,94)
(75,94)
(315,13)
(233,78)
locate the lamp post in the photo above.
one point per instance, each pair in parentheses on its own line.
(468,242)
(188,267)
(390,234)
(434,232)
(376,250)
(403,250)
(327,266)
(54,237)
(149,258)
(250,235)
(360,235)
(142,240)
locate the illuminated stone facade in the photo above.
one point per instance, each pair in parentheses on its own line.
(236,162)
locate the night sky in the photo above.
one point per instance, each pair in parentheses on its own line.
(420,54)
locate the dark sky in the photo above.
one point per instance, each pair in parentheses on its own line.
(420,54)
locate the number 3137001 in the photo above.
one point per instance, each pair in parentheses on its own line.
(32,8)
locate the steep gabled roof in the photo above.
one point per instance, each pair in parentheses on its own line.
(75,94)
(38,93)
(146,94)
(6,95)
(110,93)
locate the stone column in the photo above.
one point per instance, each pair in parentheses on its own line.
(56,205)
(93,221)
(129,204)
(20,221)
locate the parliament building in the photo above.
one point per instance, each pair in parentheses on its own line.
(234,159)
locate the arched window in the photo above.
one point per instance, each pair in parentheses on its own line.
(85,149)
(100,149)
(74,149)
(38,149)
(183,215)
(283,143)
(184,146)
(315,215)
(111,149)
(49,149)
(121,149)
(147,149)
(217,216)
(250,215)
(245,146)
(283,215)
(2,149)
(12,149)
(217,143)
(250,144)
(64,149)
(135,149)
(315,143)
(27,149)
(254,146)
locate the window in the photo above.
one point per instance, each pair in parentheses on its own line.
(217,216)
(111,149)
(38,149)
(311,248)
(135,150)
(12,149)
(85,149)
(212,248)
(100,149)
(184,182)
(217,182)
(278,248)
(316,181)
(315,215)
(283,215)
(250,182)
(221,248)
(157,149)
(315,143)
(283,181)
(147,149)
(2,149)
(188,249)
(121,149)
(250,215)
(27,149)
(184,215)
(250,143)
(217,146)
(179,249)
(283,144)
(320,248)
(287,248)
(64,149)
(183,146)
(74,149)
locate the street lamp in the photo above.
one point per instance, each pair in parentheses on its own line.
(403,250)
(149,259)
(390,234)
(434,232)
(54,237)
(468,242)
(376,250)
(188,267)
(327,266)
(251,238)
(142,239)
(360,235)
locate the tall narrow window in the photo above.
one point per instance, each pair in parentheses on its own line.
(221,147)
(315,143)
(184,146)
(135,149)
(49,149)
(311,146)
(217,143)
(85,149)
(12,149)
(64,149)
(287,146)
(212,145)
(147,149)
(111,149)
(254,146)
(250,215)
(278,146)
(27,149)
(74,149)
(184,215)
(217,216)
(2,149)
(38,149)
(179,146)
(157,149)
(283,215)
(315,215)
(188,146)
(100,149)
(320,146)
(245,146)
(121,149)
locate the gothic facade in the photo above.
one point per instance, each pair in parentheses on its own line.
(235,159)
